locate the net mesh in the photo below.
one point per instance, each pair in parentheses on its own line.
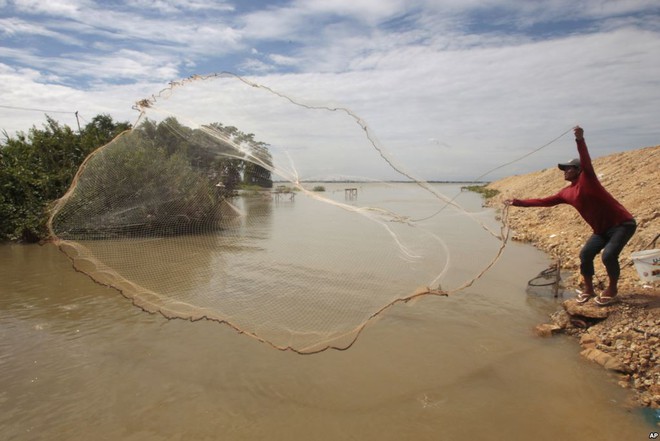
(303,257)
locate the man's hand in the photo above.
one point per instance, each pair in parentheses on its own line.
(508,202)
(579,133)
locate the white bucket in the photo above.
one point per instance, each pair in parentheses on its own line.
(647,264)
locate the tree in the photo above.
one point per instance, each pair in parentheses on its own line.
(135,186)
(256,171)
(257,160)
(158,160)
(100,131)
(38,167)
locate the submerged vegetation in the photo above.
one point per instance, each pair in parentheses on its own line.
(188,170)
(483,190)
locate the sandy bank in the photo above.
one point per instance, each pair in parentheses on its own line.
(625,337)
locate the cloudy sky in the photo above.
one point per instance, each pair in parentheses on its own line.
(451,88)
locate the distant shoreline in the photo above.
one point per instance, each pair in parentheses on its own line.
(388,182)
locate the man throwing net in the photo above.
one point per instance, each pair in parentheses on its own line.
(612,224)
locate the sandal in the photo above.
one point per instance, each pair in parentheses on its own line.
(605,300)
(583,297)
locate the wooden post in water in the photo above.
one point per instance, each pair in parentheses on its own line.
(350,193)
(555,289)
(289,194)
(282,191)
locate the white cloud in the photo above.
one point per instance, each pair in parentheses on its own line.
(270,23)
(65,8)
(413,75)
(254,65)
(13,27)
(121,65)
(368,11)
(604,8)
(283,60)
(96,25)
(502,101)
(171,6)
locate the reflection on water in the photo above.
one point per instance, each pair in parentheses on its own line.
(308,275)
(79,362)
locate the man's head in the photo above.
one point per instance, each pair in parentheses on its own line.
(571,169)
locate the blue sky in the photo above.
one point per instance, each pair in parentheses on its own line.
(451,87)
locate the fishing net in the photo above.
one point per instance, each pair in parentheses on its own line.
(229,201)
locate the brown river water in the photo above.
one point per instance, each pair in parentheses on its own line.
(79,362)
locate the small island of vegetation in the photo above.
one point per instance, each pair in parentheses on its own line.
(162,176)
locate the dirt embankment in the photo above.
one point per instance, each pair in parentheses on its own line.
(624,337)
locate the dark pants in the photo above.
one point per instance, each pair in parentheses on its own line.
(611,243)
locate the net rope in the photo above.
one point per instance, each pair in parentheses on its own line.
(158,215)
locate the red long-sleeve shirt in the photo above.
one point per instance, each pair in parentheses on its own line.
(596,206)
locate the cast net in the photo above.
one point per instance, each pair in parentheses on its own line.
(229,201)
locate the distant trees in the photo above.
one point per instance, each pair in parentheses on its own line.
(256,174)
(221,152)
(163,174)
(256,163)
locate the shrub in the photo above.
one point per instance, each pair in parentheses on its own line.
(485,192)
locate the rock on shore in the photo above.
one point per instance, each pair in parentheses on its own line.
(623,337)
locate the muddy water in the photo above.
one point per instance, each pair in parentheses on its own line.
(79,362)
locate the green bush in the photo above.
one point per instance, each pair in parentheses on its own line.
(38,167)
(485,192)
(135,187)
(160,175)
